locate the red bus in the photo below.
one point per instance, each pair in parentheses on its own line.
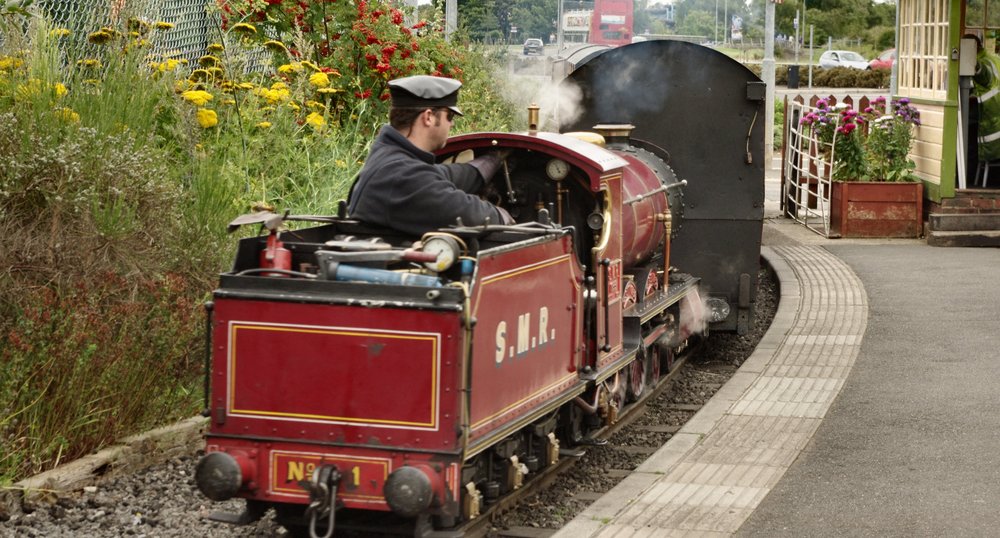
(611,23)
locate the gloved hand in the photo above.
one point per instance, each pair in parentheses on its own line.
(505,217)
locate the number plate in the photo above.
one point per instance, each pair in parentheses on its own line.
(361,477)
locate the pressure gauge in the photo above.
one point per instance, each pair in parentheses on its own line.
(557,169)
(445,247)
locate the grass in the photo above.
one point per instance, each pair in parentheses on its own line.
(114,199)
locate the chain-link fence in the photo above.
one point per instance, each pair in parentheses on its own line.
(195,23)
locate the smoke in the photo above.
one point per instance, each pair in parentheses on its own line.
(558,102)
(694,313)
(560,105)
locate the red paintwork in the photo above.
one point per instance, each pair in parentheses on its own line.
(642,233)
(372,388)
(279,466)
(527,306)
(594,160)
(608,260)
(280,369)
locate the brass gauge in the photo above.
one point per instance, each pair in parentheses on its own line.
(557,169)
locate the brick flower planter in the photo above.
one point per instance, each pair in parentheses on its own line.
(871,209)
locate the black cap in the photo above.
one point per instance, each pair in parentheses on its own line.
(424,91)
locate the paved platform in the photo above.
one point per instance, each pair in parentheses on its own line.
(868,409)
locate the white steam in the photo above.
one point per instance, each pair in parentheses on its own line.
(558,102)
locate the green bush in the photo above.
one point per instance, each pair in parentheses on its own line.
(118,174)
(837,77)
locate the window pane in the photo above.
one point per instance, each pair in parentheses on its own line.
(974,11)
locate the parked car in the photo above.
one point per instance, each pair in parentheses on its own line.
(533,46)
(884,60)
(843,58)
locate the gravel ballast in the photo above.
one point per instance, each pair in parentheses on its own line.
(163,500)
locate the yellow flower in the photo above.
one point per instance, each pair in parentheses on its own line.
(228,102)
(289,68)
(207,118)
(138,26)
(316,120)
(199,74)
(264,125)
(216,72)
(99,38)
(89,62)
(273,97)
(60,32)
(197,97)
(215,47)
(9,62)
(329,91)
(60,89)
(245,86)
(294,106)
(245,28)
(275,46)
(67,115)
(310,65)
(160,25)
(208,61)
(320,80)
(341,163)
(316,106)
(279,86)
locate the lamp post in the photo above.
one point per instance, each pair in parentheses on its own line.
(716,21)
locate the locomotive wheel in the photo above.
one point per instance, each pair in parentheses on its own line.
(653,365)
(636,382)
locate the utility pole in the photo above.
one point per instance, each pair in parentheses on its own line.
(559,27)
(726,27)
(450,18)
(767,69)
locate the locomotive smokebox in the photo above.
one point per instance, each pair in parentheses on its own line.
(702,113)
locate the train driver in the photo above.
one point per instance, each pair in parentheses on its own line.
(400,186)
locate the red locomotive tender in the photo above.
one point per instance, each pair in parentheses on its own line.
(357,371)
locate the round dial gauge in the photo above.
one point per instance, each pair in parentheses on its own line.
(557,169)
(446,249)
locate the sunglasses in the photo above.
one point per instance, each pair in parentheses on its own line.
(449,114)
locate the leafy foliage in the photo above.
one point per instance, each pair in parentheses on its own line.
(119,172)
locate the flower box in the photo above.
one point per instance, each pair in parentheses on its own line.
(872,209)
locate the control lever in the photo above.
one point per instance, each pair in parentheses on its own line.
(511,195)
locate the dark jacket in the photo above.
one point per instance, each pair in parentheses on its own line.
(401,187)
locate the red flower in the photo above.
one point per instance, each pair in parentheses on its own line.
(363,95)
(419,25)
(397,16)
(384,97)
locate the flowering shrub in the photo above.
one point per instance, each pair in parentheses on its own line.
(868,146)
(357,46)
(890,135)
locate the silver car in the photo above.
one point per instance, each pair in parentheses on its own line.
(843,58)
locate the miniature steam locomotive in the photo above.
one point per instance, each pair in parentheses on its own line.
(355,370)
